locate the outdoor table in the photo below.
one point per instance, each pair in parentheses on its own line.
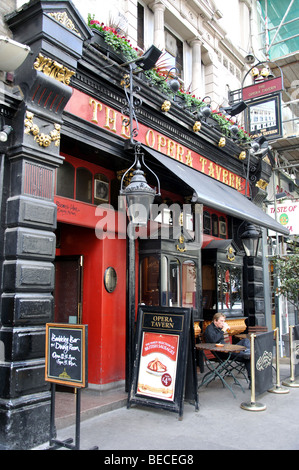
(223,367)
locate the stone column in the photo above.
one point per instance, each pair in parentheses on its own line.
(197,85)
(30,220)
(159,34)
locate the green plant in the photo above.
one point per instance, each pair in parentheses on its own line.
(157,76)
(287,268)
(225,124)
(112,38)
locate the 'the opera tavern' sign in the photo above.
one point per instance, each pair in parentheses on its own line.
(94,111)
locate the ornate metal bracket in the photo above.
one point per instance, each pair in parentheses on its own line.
(131,105)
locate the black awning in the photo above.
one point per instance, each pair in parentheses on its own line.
(216,195)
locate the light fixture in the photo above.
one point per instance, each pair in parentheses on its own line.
(234,129)
(281,195)
(235,109)
(147,61)
(12,54)
(250,239)
(139,195)
(173,83)
(204,111)
(5,133)
(250,58)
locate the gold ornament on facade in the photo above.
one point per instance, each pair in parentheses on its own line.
(44,140)
(166,106)
(125,81)
(63,19)
(231,254)
(222,142)
(255,72)
(242,155)
(53,69)
(181,245)
(261,184)
(265,72)
(197,126)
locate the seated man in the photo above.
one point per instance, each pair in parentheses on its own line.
(214,333)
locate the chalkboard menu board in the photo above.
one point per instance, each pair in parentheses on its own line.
(164,346)
(66,354)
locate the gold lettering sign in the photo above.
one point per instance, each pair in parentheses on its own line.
(108,118)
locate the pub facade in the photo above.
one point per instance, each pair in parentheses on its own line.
(64,236)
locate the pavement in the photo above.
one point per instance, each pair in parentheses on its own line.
(219,424)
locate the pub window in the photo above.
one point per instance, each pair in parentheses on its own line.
(174,283)
(101,188)
(229,288)
(174,52)
(65,180)
(189,283)
(206,223)
(222,227)
(140,26)
(149,281)
(84,185)
(164,282)
(214,225)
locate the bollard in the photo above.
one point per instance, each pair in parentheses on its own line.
(277,388)
(252,405)
(291,382)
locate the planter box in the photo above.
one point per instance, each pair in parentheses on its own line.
(98,40)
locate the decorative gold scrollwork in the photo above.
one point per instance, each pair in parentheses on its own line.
(53,69)
(44,140)
(181,245)
(62,18)
(230,254)
(262,184)
(166,106)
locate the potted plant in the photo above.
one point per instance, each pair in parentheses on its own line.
(110,40)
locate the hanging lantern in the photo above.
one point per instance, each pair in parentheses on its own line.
(250,239)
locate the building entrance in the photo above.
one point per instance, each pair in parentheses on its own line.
(68,289)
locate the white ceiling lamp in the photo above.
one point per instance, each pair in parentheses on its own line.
(12,54)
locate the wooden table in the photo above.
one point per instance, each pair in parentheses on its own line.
(223,367)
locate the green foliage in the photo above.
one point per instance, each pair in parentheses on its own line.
(113,38)
(157,77)
(288,271)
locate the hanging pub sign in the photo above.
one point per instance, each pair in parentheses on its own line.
(66,354)
(263,117)
(164,352)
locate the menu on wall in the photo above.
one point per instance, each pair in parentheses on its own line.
(66,354)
